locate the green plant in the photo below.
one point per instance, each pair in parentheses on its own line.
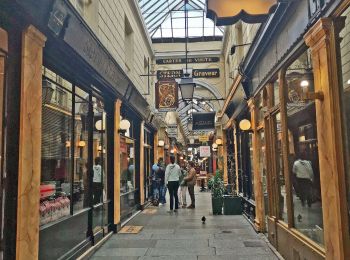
(216,185)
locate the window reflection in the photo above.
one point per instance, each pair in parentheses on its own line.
(303,152)
(345,80)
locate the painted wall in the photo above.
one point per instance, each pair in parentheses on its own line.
(119,26)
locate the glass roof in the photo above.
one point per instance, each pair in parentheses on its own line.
(166,19)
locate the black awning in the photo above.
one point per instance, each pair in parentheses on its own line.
(237,103)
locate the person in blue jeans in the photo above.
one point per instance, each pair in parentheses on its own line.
(160,176)
(172,176)
(155,183)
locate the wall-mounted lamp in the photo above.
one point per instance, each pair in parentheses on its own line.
(166,147)
(124,125)
(161,143)
(214,146)
(67,144)
(81,143)
(304,83)
(245,125)
(348,82)
(191,142)
(100,126)
(218,141)
(233,48)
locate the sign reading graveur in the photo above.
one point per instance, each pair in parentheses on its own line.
(189,60)
(167,95)
(203,121)
(196,73)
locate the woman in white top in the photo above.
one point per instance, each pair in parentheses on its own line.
(172,176)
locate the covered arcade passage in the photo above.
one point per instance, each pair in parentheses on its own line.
(184,129)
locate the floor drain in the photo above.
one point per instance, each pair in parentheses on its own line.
(226,232)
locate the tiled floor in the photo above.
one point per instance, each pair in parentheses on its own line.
(183,236)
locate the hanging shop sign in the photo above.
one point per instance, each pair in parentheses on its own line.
(172,131)
(203,121)
(189,60)
(227,12)
(204,151)
(167,95)
(196,73)
(203,138)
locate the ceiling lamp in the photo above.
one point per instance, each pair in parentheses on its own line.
(218,141)
(124,124)
(187,86)
(190,124)
(244,125)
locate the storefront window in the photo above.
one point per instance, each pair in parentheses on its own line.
(279,169)
(262,168)
(345,80)
(148,164)
(56,185)
(303,150)
(250,147)
(81,182)
(127,175)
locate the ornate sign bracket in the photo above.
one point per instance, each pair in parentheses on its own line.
(227,12)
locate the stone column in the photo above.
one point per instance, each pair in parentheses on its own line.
(117,106)
(29,170)
(322,40)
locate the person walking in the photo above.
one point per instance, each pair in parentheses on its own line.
(191,182)
(155,184)
(183,187)
(172,176)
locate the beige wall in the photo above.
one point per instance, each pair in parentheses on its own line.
(110,19)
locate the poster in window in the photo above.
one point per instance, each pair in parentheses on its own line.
(167,95)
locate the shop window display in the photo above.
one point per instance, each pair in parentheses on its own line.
(127,175)
(345,84)
(250,147)
(303,149)
(262,168)
(56,189)
(65,155)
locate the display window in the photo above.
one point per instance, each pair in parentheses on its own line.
(148,164)
(72,121)
(250,147)
(344,52)
(127,175)
(303,149)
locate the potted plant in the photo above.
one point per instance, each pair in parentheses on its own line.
(217,187)
(232,204)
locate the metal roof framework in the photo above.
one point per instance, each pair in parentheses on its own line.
(166,19)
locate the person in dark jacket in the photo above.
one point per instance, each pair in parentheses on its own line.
(160,176)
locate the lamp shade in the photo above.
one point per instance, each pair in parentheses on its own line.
(244,125)
(187,88)
(218,141)
(124,124)
(160,143)
(81,143)
(190,125)
(191,142)
(214,146)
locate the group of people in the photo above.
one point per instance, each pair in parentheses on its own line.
(177,180)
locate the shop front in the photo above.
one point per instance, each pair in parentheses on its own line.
(66,99)
(299,130)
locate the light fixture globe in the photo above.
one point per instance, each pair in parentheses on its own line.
(214,146)
(191,142)
(187,86)
(218,141)
(81,143)
(161,143)
(100,126)
(245,125)
(124,124)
